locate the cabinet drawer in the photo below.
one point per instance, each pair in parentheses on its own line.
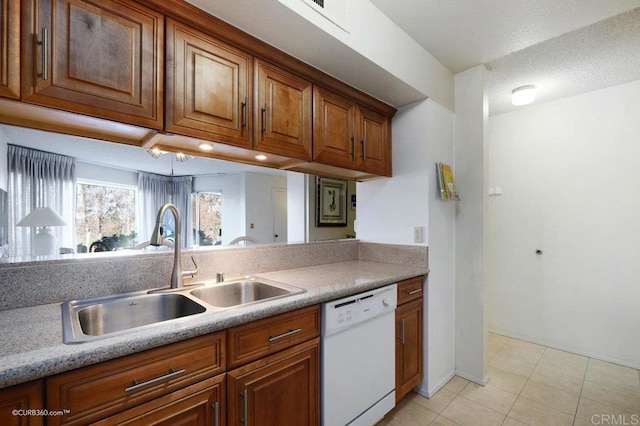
(410,289)
(100,390)
(251,341)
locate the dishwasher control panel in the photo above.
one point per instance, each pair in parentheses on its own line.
(342,313)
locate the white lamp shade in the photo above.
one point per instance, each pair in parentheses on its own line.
(42,216)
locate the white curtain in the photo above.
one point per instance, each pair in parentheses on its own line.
(40,179)
(153,192)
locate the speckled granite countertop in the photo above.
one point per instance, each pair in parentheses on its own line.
(31,338)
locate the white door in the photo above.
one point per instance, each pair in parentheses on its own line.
(279,198)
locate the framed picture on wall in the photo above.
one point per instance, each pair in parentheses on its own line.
(331,202)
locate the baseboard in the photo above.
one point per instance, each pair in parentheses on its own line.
(430,392)
(481,381)
(565,348)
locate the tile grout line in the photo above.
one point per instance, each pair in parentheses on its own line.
(525,385)
(584,377)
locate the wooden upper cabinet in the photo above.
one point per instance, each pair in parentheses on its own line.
(101,58)
(208,85)
(10,49)
(373,148)
(334,128)
(283,111)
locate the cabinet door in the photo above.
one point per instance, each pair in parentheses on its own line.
(208,87)
(374,147)
(333,128)
(409,350)
(282,389)
(22,398)
(283,112)
(101,58)
(202,404)
(10,49)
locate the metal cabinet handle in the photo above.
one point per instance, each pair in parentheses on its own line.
(164,378)
(245,407)
(243,113)
(283,335)
(264,119)
(353,146)
(44,52)
(402,331)
(417,290)
(364,147)
(216,413)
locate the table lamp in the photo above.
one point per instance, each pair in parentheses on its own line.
(44,242)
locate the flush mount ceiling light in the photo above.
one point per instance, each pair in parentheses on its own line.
(523,95)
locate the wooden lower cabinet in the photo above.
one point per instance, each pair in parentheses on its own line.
(409,341)
(197,405)
(281,389)
(21,405)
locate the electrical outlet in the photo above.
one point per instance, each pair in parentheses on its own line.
(417,234)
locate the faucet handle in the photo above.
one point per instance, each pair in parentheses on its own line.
(192,272)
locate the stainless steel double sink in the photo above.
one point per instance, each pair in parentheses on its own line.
(101,317)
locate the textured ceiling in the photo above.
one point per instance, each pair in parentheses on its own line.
(565,47)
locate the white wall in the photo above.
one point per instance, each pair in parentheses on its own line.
(571,188)
(439,302)
(297,205)
(259,204)
(4,171)
(388,209)
(470,166)
(98,173)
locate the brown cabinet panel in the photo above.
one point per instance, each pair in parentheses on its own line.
(10,49)
(24,397)
(257,339)
(334,128)
(374,147)
(282,389)
(94,392)
(283,112)
(208,87)
(410,289)
(101,58)
(201,404)
(409,363)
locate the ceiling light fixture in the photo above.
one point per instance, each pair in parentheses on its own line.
(261,157)
(523,95)
(206,146)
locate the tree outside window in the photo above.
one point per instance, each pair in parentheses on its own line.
(207,218)
(105,212)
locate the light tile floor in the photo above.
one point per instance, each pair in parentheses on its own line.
(530,385)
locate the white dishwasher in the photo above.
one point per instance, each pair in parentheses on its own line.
(358,358)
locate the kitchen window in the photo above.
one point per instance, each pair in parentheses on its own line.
(105,216)
(207,218)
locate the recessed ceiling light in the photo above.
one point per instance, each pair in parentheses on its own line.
(261,157)
(523,95)
(205,146)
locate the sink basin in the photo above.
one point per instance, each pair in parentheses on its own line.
(242,292)
(102,317)
(89,318)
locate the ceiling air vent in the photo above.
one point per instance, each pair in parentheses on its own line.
(319,3)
